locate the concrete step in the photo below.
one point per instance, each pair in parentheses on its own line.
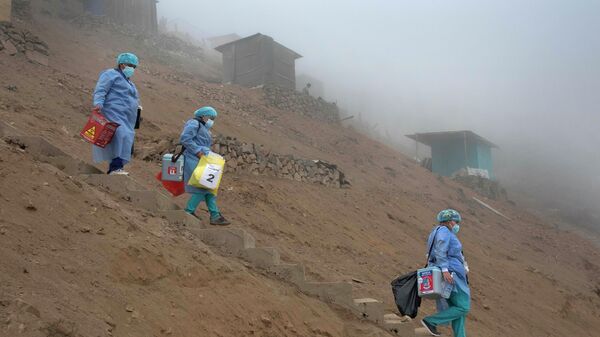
(126,188)
(8,130)
(331,292)
(44,151)
(262,257)
(181,218)
(396,317)
(38,146)
(421,332)
(369,308)
(232,241)
(117,184)
(151,201)
(293,273)
(70,166)
(399,326)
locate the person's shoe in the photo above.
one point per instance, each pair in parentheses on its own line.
(430,328)
(119,172)
(220,221)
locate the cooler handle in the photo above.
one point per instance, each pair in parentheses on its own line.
(176,157)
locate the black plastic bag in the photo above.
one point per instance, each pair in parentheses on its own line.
(138,119)
(406,295)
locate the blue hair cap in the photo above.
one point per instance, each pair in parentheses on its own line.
(127,58)
(206,111)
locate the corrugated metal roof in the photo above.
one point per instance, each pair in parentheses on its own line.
(428,138)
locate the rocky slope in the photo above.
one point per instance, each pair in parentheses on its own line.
(81,263)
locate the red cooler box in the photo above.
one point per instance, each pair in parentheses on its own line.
(98,130)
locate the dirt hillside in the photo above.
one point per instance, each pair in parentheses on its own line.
(76,262)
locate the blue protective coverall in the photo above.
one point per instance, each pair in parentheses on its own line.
(197,138)
(118,100)
(447,255)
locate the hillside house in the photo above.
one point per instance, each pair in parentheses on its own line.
(139,14)
(258,60)
(456,152)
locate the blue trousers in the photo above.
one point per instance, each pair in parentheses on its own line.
(211,203)
(459,305)
(116,164)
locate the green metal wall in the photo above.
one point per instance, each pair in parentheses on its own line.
(484,156)
(447,157)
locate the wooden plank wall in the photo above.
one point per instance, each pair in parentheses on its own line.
(138,13)
(249,59)
(5,8)
(284,67)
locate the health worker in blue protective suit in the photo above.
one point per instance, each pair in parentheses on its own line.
(117,98)
(197,141)
(447,254)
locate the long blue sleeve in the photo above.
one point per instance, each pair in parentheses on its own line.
(105,82)
(189,138)
(440,249)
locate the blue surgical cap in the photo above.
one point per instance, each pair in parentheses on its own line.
(206,111)
(127,58)
(447,215)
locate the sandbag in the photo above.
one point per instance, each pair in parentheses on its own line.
(406,294)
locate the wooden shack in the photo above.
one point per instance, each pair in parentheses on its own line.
(139,14)
(258,60)
(5,10)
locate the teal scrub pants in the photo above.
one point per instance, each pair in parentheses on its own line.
(459,305)
(211,203)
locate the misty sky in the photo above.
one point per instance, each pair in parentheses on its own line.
(525,74)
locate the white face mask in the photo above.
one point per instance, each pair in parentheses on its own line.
(209,123)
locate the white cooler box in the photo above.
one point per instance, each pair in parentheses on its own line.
(172,171)
(430,282)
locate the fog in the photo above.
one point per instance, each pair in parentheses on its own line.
(523,74)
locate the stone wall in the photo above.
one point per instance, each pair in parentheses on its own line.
(486,187)
(15,41)
(291,100)
(251,158)
(254,159)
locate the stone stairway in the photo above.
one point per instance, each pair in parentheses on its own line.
(229,241)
